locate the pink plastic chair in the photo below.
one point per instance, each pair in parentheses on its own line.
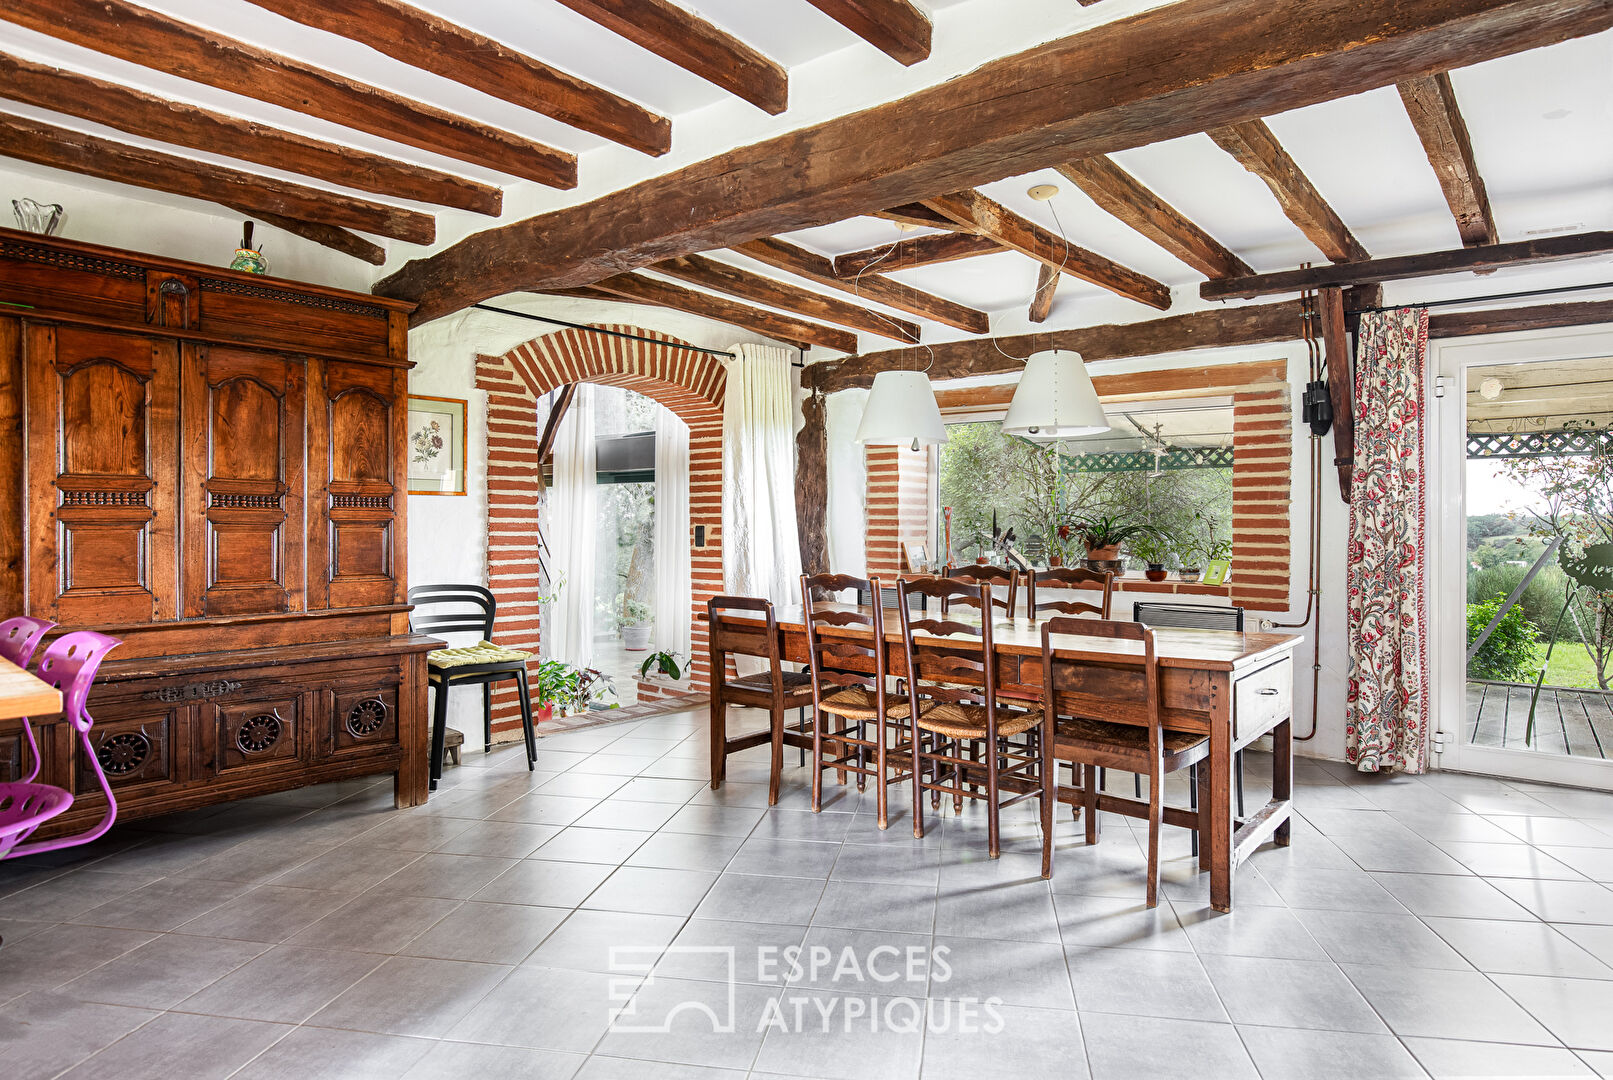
(19,637)
(69,664)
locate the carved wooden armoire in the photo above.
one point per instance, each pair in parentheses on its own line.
(209,465)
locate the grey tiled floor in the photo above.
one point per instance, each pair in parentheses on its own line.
(1442,926)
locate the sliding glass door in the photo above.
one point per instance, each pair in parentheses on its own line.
(1521,584)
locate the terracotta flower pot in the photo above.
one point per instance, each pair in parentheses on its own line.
(1104,554)
(1055,560)
(544,713)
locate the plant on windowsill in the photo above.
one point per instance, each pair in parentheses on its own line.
(1153,548)
(1103,537)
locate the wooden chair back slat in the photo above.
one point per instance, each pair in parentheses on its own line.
(1069,579)
(991,576)
(843,660)
(742,626)
(961,670)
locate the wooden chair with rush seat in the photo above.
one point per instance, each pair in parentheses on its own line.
(954,693)
(849,691)
(752,630)
(994,576)
(1126,685)
(1067,579)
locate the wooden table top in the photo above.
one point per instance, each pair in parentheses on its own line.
(21,694)
(1205,650)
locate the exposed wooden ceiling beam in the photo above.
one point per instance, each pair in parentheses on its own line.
(1047,284)
(1213,62)
(820,268)
(337,239)
(695,45)
(920,215)
(1258,324)
(430,43)
(995,220)
(1508,320)
(1401,267)
(1125,197)
(894,27)
(169,121)
(551,426)
(1431,104)
(63,148)
(1256,148)
(151,39)
(1173,382)
(916,251)
(711,274)
(786,328)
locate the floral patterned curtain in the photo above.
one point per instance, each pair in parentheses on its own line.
(1386,724)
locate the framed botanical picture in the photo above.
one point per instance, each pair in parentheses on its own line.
(436,446)
(1216,572)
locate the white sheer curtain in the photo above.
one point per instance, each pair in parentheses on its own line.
(672,611)
(761,549)
(570,528)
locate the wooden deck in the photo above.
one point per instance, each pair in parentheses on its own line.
(1567,721)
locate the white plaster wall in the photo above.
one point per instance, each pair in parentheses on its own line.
(100,212)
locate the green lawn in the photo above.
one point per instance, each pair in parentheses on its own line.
(1571,666)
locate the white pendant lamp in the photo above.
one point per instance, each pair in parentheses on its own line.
(1055,399)
(901,410)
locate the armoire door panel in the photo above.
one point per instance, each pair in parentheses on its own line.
(101,479)
(245,418)
(359,452)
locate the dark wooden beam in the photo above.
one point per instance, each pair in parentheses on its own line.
(685,39)
(1340,384)
(434,44)
(551,426)
(170,121)
(989,218)
(1256,148)
(917,214)
(721,277)
(1125,197)
(1431,104)
(149,38)
(1401,267)
(820,268)
(62,148)
(916,251)
(786,328)
(894,27)
(1212,63)
(812,486)
(1509,320)
(1260,324)
(1047,283)
(330,236)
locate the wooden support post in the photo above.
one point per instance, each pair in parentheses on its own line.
(1340,385)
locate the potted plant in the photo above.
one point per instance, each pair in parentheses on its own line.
(1103,537)
(636,616)
(556,685)
(1188,555)
(1153,548)
(592,686)
(664,662)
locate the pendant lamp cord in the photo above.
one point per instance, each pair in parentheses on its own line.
(856,290)
(1052,283)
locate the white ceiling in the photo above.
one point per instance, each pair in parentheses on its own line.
(1541,123)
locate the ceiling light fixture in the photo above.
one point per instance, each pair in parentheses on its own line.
(902,410)
(1055,399)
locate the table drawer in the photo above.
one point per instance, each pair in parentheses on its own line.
(1262,699)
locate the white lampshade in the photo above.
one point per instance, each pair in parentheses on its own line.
(1055,399)
(901,410)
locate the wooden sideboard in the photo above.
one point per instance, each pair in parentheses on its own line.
(211,466)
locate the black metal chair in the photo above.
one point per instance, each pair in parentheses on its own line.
(483,664)
(1195,617)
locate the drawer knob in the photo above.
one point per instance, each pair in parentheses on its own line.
(1267,691)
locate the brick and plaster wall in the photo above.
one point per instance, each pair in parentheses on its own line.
(897,507)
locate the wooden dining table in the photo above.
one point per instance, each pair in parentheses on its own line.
(22,694)
(1235,687)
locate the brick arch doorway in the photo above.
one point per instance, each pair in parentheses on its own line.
(689,383)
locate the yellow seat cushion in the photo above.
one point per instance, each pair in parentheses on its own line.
(483,652)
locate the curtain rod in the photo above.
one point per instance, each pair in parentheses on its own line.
(614,333)
(1487,299)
